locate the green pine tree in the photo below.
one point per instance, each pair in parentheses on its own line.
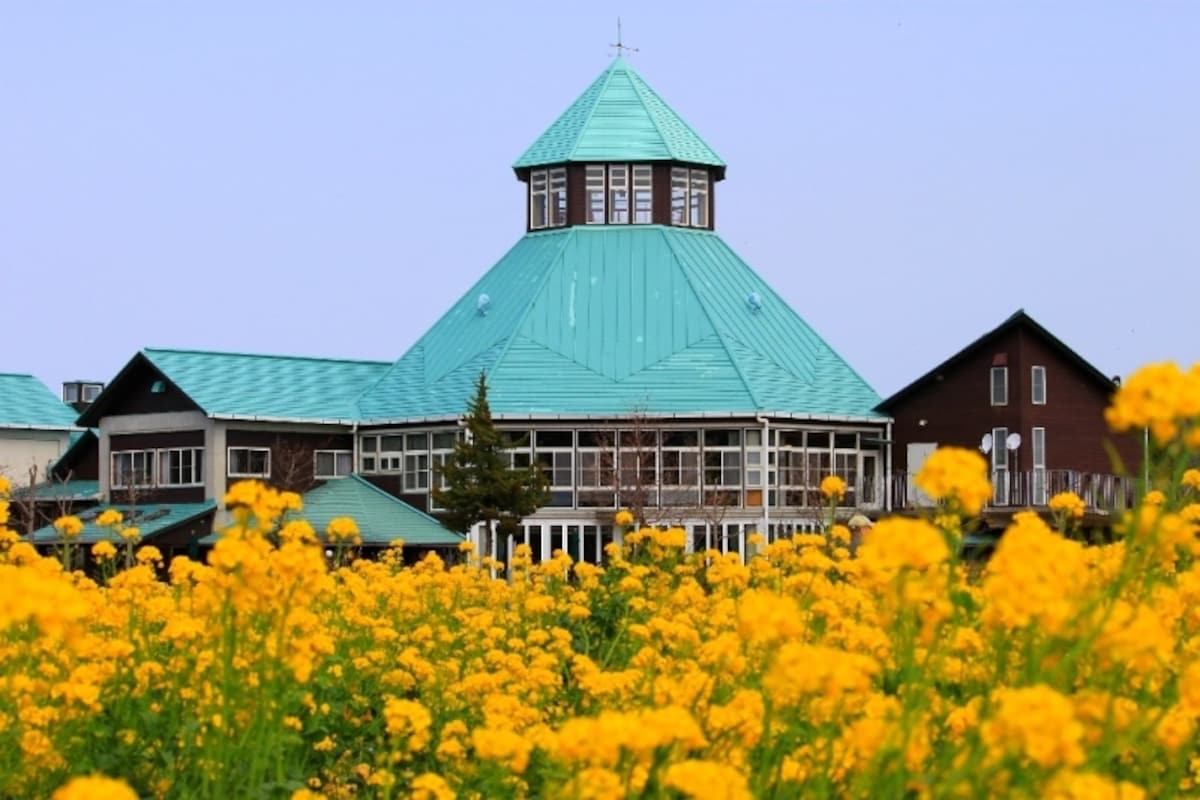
(480,485)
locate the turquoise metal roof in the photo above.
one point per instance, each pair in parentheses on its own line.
(619,118)
(268,387)
(608,319)
(73,491)
(381,518)
(25,402)
(150,520)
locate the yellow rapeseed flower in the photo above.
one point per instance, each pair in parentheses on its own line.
(94,787)
(109,517)
(68,526)
(103,550)
(623,518)
(833,487)
(1069,504)
(956,475)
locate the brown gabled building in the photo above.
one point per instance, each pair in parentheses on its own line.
(1032,405)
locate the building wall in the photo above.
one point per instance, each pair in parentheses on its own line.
(162,429)
(188,438)
(954,408)
(21,449)
(292,452)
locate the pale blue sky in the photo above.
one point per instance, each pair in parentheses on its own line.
(326,179)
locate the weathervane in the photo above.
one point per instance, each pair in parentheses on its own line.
(619,45)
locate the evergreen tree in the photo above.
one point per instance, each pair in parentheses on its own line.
(480,485)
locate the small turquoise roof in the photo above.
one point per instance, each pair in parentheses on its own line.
(606,319)
(149,519)
(263,387)
(381,518)
(73,491)
(619,118)
(25,402)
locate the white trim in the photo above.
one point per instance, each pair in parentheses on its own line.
(992,386)
(317,475)
(1033,370)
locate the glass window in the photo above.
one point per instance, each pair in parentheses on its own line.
(999,386)
(332,463)
(698,199)
(1039,466)
(132,468)
(618,193)
(594,469)
(594,183)
(249,462)
(558,197)
(181,467)
(643,194)
(679,196)
(1038,381)
(539,200)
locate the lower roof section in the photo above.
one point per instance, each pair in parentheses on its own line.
(607,320)
(153,521)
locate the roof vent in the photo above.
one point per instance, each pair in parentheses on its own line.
(482,304)
(158,387)
(754,300)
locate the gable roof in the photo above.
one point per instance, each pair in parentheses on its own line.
(1019,319)
(26,403)
(255,387)
(605,320)
(619,118)
(151,520)
(381,517)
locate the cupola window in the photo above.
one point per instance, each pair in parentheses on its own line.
(643,194)
(618,193)
(595,194)
(689,197)
(547,198)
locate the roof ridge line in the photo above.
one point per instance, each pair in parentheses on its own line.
(708,315)
(608,73)
(641,84)
(395,499)
(534,296)
(193,351)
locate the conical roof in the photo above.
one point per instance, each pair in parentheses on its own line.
(619,118)
(607,320)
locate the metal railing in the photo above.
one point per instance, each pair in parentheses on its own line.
(1034,488)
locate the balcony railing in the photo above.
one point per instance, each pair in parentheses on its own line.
(1033,488)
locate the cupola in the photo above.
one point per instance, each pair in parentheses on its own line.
(619,155)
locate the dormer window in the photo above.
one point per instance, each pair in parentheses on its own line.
(547,198)
(689,197)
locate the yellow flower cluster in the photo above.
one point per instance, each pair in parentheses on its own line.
(956,476)
(1163,399)
(1057,669)
(1068,504)
(833,487)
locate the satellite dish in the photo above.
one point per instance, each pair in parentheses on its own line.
(986,445)
(1013,441)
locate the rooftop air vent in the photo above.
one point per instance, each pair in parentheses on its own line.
(482,304)
(754,301)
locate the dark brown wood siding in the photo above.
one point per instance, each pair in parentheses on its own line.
(136,394)
(292,461)
(143,495)
(576,194)
(956,409)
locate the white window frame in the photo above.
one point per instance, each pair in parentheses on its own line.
(1002,374)
(391,459)
(698,199)
(1034,382)
(557,461)
(229,462)
(1038,452)
(1000,471)
(195,467)
(620,199)
(643,194)
(638,453)
(149,459)
(338,456)
(539,190)
(368,454)
(558,197)
(680,202)
(680,469)
(88,392)
(597,194)
(438,456)
(416,461)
